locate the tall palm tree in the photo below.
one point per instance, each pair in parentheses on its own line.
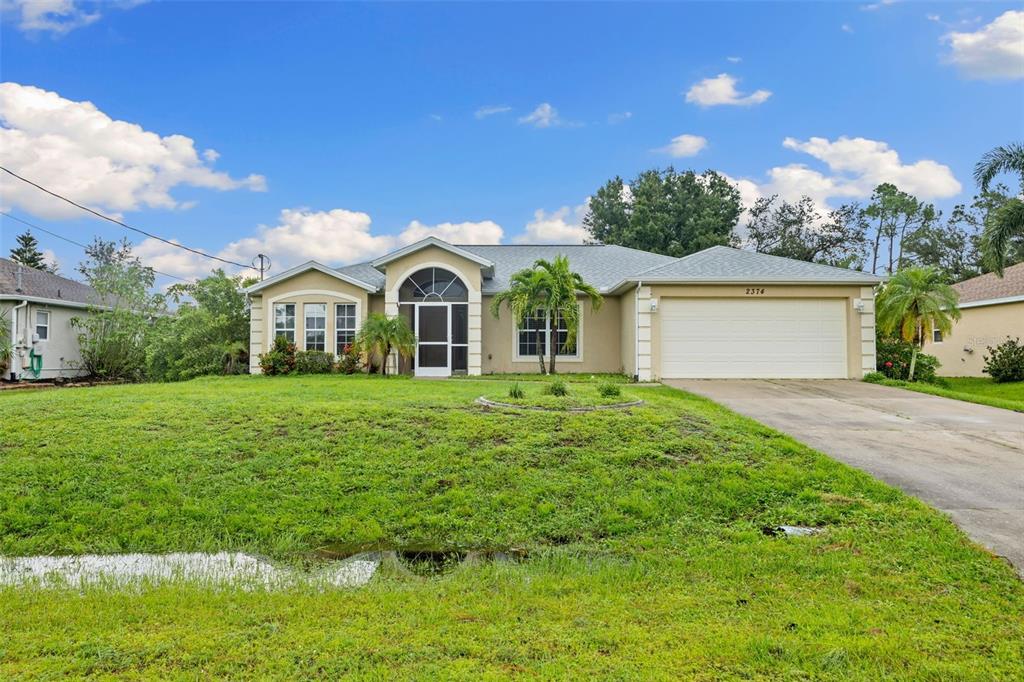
(913,303)
(526,294)
(379,335)
(563,289)
(1007,221)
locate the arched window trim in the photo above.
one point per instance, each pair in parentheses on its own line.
(433,296)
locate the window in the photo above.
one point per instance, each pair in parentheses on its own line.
(43,324)
(284,321)
(344,326)
(433,285)
(316,326)
(534,335)
(936,336)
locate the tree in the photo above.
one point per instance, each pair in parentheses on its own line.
(895,214)
(526,294)
(381,334)
(112,336)
(798,230)
(1006,223)
(666,212)
(913,303)
(27,253)
(563,287)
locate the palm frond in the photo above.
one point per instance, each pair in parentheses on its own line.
(1008,158)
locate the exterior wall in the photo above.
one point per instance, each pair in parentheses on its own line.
(962,351)
(398,270)
(311,286)
(860,325)
(600,341)
(61,356)
(627,332)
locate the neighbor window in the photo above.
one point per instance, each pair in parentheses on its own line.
(936,336)
(534,335)
(344,326)
(316,326)
(43,324)
(284,321)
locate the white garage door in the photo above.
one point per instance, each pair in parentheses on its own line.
(753,338)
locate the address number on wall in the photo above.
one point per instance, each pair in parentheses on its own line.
(755,291)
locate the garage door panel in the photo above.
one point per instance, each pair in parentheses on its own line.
(766,338)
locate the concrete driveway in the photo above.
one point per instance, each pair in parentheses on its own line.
(965,459)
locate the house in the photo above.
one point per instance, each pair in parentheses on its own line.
(721,312)
(39,307)
(991,309)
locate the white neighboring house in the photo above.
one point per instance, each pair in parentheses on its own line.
(39,307)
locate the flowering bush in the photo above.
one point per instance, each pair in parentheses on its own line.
(893,360)
(280,359)
(348,362)
(1005,362)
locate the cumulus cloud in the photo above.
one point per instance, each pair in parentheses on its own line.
(544,116)
(58,17)
(483,232)
(721,90)
(76,150)
(994,51)
(491,110)
(685,145)
(564,226)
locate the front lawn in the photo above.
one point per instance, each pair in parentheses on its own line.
(981,390)
(647,556)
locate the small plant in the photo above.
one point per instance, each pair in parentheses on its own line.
(348,363)
(894,358)
(609,390)
(1005,362)
(314,362)
(280,359)
(516,392)
(875,377)
(558,388)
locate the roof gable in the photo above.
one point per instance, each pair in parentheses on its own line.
(431,241)
(307,266)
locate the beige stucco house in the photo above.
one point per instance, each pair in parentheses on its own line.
(721,312)
(991,309)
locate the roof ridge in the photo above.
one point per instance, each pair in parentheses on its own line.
(807,262)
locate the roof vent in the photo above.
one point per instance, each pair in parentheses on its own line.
(17,286)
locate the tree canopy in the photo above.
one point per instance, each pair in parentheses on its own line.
(799,230)
(27,253)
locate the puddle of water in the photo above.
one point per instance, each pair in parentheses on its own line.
(791,531)
(221,567)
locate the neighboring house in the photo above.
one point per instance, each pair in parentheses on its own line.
(721,312)
(991,309)
(39,306)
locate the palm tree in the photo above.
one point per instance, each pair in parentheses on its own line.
(913,303)
(526,294)
(563,289)
(1007,221)
(379,335)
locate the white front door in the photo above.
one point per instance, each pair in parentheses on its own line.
(433,349)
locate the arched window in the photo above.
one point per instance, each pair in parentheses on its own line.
(433,285)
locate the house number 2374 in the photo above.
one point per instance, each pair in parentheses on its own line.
(755,291)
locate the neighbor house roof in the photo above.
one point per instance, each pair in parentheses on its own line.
(991,288)
(20,282)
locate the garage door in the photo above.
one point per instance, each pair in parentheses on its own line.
(753,338)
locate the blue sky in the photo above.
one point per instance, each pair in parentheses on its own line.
(343,130)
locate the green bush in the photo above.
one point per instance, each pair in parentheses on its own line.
(314,362)
(1005,362)
(609,390)
(516,392)
(893,360)
(874,377)
(281,359)
(557,387)
(348,363)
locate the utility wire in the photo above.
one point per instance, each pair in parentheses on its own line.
(125,225)
(72,241)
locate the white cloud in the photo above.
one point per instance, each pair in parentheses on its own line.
(734,60)
(76,150)
(59,17)
(722,90)
(564,226)
(995,51)
(933,17)
(877,5)
(619,117)
(483,232)
(685,145)
(491,110)
(544,116)
(847,28)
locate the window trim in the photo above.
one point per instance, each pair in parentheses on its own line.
(940,334)
(306,330)
(274,331)
(578,357)
(36,326)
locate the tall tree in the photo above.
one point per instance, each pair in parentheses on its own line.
(914,302)
(1006,223)
(665,211)
(563,287)
(798,230)
(895,214)
(27,253)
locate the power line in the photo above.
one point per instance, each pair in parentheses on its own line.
(72,241)
(125,225)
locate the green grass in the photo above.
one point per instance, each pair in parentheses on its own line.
(981,390)
(579,395)
(568,377)
(647,559)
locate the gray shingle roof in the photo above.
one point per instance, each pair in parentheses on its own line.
(364,272)
(41,284)
(986,287)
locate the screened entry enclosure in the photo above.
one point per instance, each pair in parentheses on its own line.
(435,303)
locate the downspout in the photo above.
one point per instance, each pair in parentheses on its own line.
(636,331)
(14,336)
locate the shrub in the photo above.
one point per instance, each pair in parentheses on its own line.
(558,387)
(893,360)
(1005,362)
(609,390)
(348,363)
(874,377)
(281,359)
(516,392)
(314,362)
